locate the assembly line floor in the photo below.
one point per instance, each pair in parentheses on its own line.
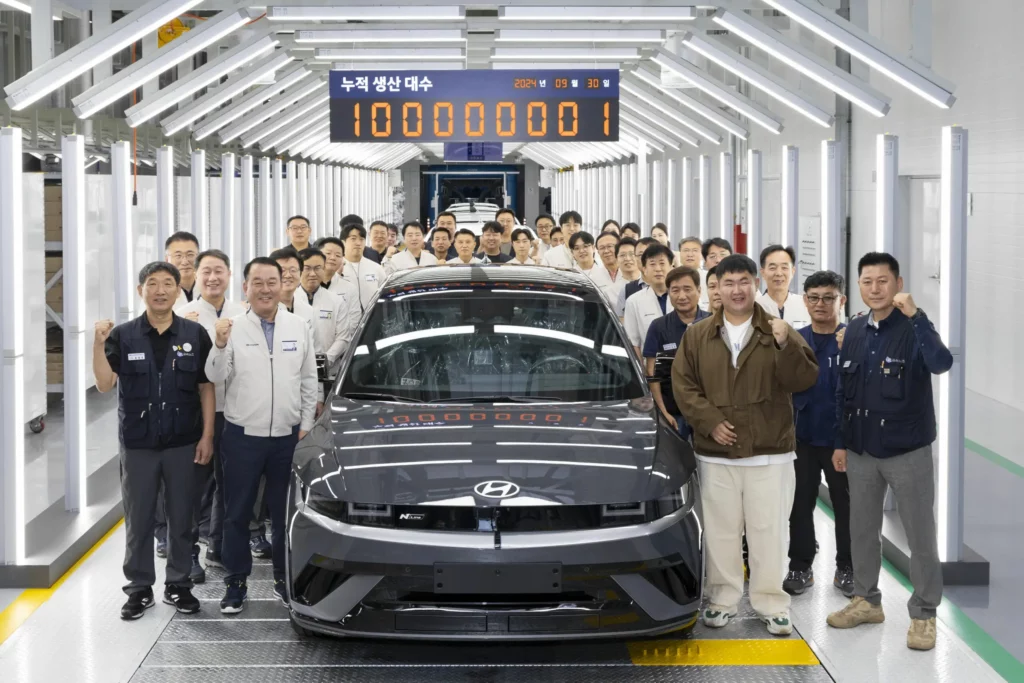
(77,635)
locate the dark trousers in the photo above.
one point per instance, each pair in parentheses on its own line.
(810,462)
(682,428)
(246,459)
(142,474)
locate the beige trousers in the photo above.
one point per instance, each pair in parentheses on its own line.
(758,499)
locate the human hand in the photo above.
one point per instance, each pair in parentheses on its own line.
(723,434)
(671,421)
(302,434)
(223,332)
(319,408)
(905,303)
(204,451)
(780,330)
(191,315)
(102,330)
(839,459)
(840,335)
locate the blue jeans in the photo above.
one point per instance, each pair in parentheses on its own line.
(246,459)
(684,429)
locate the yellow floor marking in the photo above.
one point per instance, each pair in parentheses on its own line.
(30,600)
(775,652)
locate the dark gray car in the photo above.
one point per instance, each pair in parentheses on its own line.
(491,465)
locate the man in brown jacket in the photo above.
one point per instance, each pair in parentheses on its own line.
(733,381)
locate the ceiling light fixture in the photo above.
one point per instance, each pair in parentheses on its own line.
(648,76)
(238,109)
(381,36)
(556,36)
(384,54)
(366,13)
(624,13)
(652,100)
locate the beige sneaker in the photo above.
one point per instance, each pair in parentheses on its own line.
(858,612)
(921,635)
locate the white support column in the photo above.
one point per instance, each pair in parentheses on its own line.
(313,184)
(247,223)
(338,213)
(704,197)
(291,195)
(686,197)
(301,195)
(755,205)
(76,324)
(641,185)
(952,324)
(634,205)
(831,220)
(12,342)
(124,236)
(266,210)
(228,227)
(200,199)
(41,26)
(323,204)
(672,202)
(101,20)
(346,191)
(150,45)
(280,210)
(887,170)
(790,197)
(657,193)
(164,198)
(727,196)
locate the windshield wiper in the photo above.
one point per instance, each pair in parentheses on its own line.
(370,396)
(500,399)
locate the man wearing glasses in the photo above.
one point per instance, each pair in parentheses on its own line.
(816,427)
(299,232)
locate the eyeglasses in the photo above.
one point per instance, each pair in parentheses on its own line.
(814,299)
(290,271)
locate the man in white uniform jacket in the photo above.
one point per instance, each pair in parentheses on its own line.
(778,265)
(582,245)
(335,314)
(414,255)
(650,303)
(561,257)
(465,245)
(365,275)
(213,277)
(266,360)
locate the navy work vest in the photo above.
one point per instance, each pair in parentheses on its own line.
(158,407)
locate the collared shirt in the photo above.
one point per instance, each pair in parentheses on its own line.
(793,310)
(457,261)
(642,309)
(627,288)
(815,409)
(268,332)
(161,344)
(367,276)
(663,337)
(374,255)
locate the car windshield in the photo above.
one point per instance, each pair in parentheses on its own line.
(491,344)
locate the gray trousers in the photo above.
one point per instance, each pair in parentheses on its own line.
(142,472)
(911,477)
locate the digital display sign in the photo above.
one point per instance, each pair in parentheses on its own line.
(475,105)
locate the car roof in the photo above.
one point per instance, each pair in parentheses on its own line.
(538,275)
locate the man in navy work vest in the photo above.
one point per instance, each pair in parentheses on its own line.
(816,429)
(886,430)
(166,407)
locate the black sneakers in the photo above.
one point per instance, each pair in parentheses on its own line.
(213,558)
(197,573)
(260,547)
(234,597)
(798,581)
(281,591)
(138,602)
(181,598)
(161,548)
(843,580)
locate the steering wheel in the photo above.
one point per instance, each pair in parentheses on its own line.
(562,357)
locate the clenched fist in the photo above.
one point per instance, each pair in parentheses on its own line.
(840,335)
(905,303)
(191,315)
(780,330)
(223,330)
(103,330)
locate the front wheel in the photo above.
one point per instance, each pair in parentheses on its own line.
(301,630)
(37,425)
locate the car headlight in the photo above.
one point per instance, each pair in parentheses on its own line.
(619,514)
(363,514)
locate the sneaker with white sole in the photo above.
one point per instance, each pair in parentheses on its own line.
(716,616)
(778,624)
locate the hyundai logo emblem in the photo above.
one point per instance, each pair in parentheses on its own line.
(496,489)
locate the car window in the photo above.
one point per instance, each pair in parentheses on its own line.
(487,342)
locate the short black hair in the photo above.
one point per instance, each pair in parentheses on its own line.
(465,231)
(504,209)
(659,226)
(159,267)
(294,218)
(543,215)
(522,231)
(649,241)
(308,253)
(450,215)
(772,248)
(266,261)
(376,223)
(180,236)
(215,253)
(350,219)
(687,240)
(330,239)
(624,242)
(719,242)
(632,227)
(411,224)
(284,254)
(607,234)
(825,278)
(442,229)
(555,229)
(393,228)
(570,216)
(492,226)
(736,263)
(679,272)
(878,258)
(610,221)
(581,236)
(349,228)
(655,250)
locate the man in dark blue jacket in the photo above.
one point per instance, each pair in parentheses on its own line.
(816,428)
(886,429)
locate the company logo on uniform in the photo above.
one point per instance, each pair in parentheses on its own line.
(183,350)
(496,489)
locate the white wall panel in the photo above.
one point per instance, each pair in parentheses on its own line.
(34,271)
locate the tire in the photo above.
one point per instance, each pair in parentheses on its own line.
(37,425)
(300,630)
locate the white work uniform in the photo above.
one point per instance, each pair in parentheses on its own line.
(333,320)
(620,302)
(261,392)
(794,311)
(704,303)
(403,260)
(642,309)
(181,301)
(542,249)
(301,308)
(208,317)
(516,262)
(558,257)
(456,261)
(367,277)
(598,274)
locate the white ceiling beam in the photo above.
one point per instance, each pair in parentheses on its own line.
(286,79)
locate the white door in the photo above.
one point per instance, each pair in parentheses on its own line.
(922,280)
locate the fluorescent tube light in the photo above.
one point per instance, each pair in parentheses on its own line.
(758,77)
(237,109)
(646,74)
(652,100)
(151,66)
(367,13)
(568,54)
(93,50)
(306,110)
(807,63)
(233,87)
(526,66)
(275,105)
(557,36)
(381,36)
(20,6)
(653,118)
(841,33)
(330,54)
(887,155)
(199,79)
(399,66)
(625,13)
(300,134)
(718,90)
(647,131)
(726,195)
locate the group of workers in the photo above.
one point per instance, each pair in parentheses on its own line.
(771,387)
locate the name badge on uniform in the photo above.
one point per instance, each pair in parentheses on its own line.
(846,364)
(670,347)
(371,277)
(325,315)
(289,345)
(136,356)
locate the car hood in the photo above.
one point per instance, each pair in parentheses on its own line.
(560,453)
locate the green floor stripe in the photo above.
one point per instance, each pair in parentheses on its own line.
(976,638)
(994,458)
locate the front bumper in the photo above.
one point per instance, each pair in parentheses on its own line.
(362,581)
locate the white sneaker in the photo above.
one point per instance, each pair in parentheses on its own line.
(716,616)
(778,624)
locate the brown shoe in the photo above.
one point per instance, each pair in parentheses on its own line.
(921,635)
(858,612)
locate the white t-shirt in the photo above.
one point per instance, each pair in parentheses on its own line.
(794,311)
(737,336)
